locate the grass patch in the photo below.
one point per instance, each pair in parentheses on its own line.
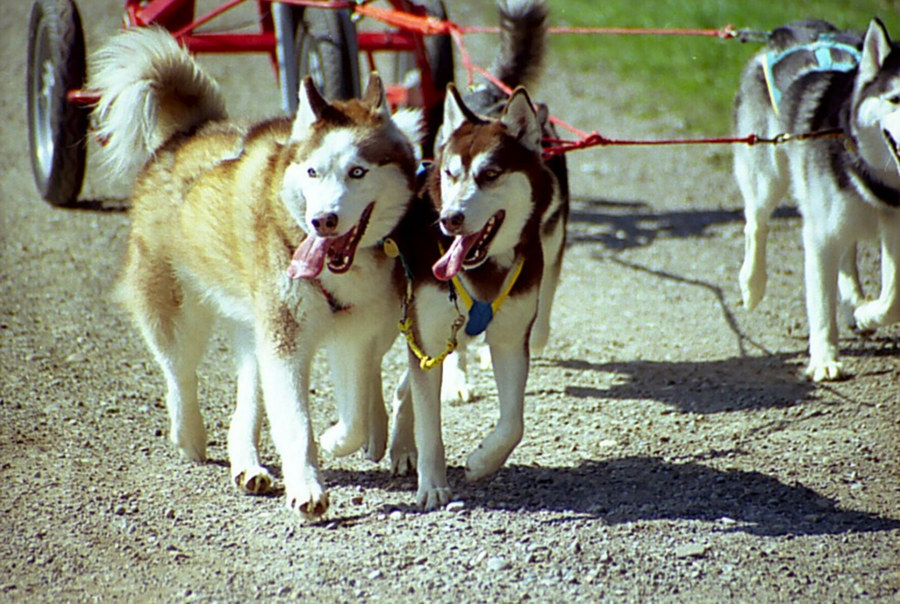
(691,77)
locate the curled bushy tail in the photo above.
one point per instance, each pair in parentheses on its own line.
(523,33)
(150,89)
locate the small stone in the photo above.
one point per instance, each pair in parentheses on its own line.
(456,506)
(497,563)
(397,515)
(691,550)
(375,574)
(727,520)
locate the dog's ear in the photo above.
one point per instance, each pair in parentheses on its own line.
(375,96)
(522,121)
(310,108)
(455,115)
(876,48)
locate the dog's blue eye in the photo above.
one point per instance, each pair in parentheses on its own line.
(358,172)
(311,173)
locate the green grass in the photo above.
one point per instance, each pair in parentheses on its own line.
(692,77)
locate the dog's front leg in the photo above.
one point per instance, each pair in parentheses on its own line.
(434,491)
(284,369)
(510,372)
(886,309)
(821,257)
(356,373)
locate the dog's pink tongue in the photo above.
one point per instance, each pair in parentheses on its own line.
(309,259)
(451,262)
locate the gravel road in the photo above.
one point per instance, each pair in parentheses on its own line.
(673,451)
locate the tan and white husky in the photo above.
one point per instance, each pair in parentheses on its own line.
(492,249)
(271,227)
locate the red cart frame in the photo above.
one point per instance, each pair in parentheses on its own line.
(302,37)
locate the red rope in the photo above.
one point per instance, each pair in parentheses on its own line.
(595,139)
(426,25)
(726,32)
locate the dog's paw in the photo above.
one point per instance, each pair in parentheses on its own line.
(192,448)
(403,460)
(309,499)
(376,445)
(430,497)
(872,315)
(481,463)
(187,432)
(339,441)
(254,481)
(455,385)
(753,288)
(825,371)
(455,393)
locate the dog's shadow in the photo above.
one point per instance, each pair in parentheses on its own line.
(718,386)
(622,225)
(630,489)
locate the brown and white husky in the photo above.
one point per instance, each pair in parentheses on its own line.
(490,256)
(274,229)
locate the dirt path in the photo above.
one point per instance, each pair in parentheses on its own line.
(672,450)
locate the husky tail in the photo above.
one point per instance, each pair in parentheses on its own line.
(150,89)
(522,42)
(523,33)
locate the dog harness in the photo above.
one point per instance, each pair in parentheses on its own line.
(825,54)
(480,313)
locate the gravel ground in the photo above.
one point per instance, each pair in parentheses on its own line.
(672,452)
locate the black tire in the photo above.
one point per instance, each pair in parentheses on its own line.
(57,129)
(327,50)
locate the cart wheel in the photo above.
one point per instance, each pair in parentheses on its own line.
(327,51)
(57,129)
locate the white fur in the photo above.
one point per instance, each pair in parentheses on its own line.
(130,121)
(333,189)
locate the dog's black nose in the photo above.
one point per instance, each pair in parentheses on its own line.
(325,224)
(453,222)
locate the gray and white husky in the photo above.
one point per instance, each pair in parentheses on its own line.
(814,78)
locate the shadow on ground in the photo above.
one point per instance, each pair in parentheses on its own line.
(635,489)
(717,386)
(621,225)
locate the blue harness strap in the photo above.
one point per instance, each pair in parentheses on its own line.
(825,54)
